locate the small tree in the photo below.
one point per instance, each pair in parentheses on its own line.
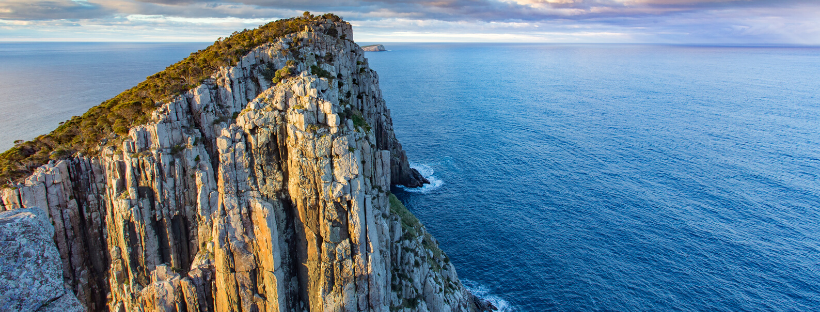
(283,73)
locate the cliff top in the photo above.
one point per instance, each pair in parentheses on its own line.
(104,123)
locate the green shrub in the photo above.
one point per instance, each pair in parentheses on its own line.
(318,71)
(58,153)
(409,222)
(283,73)
(359,122)
(177,149)
(294,52)
(134,106)
(268,72)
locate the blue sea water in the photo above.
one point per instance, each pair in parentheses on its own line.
(617,177)
(566,177)
(43,84)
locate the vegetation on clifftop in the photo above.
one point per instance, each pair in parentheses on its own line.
(86,133)
(409,222)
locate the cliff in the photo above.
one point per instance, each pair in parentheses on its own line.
(253,191)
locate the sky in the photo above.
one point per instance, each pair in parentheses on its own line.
(712,22)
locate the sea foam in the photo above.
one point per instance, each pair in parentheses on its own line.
(483,292)
(427,172)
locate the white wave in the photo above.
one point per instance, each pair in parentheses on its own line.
(483,292)
(427,172)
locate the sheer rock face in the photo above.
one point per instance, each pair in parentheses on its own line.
(244,195)
(31,274)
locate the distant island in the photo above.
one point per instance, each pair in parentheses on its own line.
(374,48)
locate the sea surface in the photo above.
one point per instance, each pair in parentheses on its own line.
(43,84)
(565,177)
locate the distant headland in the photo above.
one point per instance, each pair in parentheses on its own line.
(374,48)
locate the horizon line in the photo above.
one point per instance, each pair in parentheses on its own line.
(750,45)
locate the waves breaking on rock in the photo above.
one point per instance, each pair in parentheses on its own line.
(484,293)
(428,173)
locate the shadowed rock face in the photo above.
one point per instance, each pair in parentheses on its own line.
(31,274)
(244,195)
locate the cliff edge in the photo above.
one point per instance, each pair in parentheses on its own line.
(263,188)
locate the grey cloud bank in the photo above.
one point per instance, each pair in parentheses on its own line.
(626,21)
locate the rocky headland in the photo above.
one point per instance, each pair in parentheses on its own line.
(264,188)
(374,48)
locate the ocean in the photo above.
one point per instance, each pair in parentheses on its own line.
(43,84)
(564,177)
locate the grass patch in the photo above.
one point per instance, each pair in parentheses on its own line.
(412,228)
(359,122)
(409,222)
(318,71)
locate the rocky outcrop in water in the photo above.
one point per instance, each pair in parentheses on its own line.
(31,274)
(374,48)
(249,195)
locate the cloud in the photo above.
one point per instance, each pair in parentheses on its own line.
(46,10)
(444,10)
(173,2)
(667,21)
(515,10)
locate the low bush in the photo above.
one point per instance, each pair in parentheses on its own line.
(359,121)
(283,73)
(318,71)
(409,222)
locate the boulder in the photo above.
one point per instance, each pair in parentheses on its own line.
(31,272)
